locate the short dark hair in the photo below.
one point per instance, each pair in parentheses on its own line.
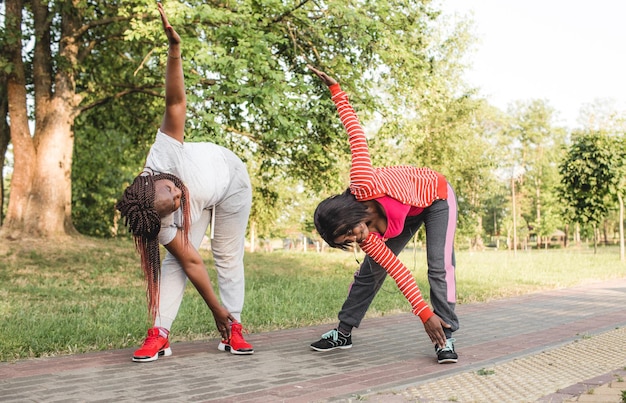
(337,215)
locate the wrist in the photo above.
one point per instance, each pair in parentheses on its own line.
(334,88)
(425,314)
(174,51)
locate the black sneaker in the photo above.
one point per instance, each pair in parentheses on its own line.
(332,340)
(447,354)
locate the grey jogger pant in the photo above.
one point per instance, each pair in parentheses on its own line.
(227,245)
(439,220)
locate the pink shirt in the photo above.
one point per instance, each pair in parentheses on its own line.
(396,213)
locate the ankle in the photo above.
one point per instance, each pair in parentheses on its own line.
(346,330)
(163,332)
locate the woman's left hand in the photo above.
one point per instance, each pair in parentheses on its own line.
(328,80)
(172,35)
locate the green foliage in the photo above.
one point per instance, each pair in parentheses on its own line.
(108,151)
(591,175)
(485,372)
(249,89)
(536,144)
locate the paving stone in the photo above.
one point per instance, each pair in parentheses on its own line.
(505,355)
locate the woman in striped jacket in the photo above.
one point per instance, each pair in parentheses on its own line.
(381,211)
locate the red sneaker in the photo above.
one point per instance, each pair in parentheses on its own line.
(236,344)
(154,346)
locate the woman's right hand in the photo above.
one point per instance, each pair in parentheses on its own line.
(325,77)
(223,319)
(434,328)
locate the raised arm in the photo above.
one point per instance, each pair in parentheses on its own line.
(362,178)
(173,123)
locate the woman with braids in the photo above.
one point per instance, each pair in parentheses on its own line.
(185,187)
(381,211)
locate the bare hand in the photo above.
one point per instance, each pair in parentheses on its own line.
(172,36)
(325,77)
(434,328)
(223,319)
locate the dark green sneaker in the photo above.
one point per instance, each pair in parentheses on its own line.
(332,340)
(447,354)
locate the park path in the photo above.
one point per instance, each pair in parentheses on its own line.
(550,346)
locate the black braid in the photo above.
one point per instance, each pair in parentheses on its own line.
(143,221)
(137,208)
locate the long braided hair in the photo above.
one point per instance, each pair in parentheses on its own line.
(143,221)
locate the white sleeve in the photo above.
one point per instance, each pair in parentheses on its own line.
(169,227)
(165,156)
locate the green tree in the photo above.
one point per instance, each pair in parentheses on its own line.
(537,146)
(110,146)
(470,160)
(49,50)
(85,64)
(603,115)
(592,173)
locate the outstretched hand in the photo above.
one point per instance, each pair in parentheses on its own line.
(434,328)
(328,80)
(172,35)
(223,319)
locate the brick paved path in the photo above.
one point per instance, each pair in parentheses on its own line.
(391,355)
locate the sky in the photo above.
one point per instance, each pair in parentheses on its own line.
(568,52)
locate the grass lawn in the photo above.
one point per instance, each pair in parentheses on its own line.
(88,294)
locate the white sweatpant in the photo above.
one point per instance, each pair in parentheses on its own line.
(231,220)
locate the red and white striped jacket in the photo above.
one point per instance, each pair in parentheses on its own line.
(418,187)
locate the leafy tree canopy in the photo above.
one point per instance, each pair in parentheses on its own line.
(591,173)
(249,88)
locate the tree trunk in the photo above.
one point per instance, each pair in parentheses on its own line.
(50,206)
(514,216)
(20,133)
(621,227)
(252,231)
(40,199)
(539,228)
(5,136)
